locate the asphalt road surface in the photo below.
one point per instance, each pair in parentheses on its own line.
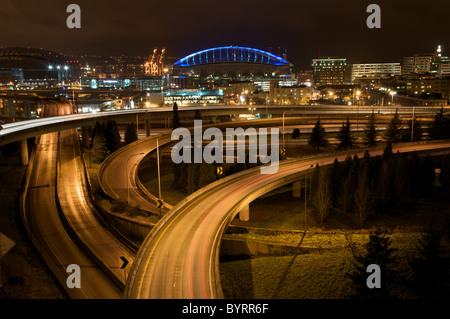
(47,231)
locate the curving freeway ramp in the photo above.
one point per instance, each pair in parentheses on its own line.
(81,216)
(47,231)
(180,257)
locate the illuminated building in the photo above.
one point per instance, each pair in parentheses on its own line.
(193,97)
(375,70)
(432,63)
(216,66)
(294,95)
(426,85)
(329,71)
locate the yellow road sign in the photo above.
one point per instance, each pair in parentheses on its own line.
(123,262)
(219,170)
(160,203)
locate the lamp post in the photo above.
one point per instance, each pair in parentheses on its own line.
(283,127)
(306,198)
(412,124)
(128,180)
(357,117)
(159,173)
(392,93)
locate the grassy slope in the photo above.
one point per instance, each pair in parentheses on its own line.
(23,272)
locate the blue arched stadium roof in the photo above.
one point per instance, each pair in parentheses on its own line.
(231,54)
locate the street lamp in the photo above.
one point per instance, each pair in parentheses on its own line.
(392,93)
(128,180)
(283,127)
(357,117)
(159,173)
(412,123)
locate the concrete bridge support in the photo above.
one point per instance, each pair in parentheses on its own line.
(27,106)
(147,128)
(11,108)
(24,152)
(297,189)
(244,214)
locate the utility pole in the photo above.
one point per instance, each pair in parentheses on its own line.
(159,173)
(412,124)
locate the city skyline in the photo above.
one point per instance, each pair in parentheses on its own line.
(304,30)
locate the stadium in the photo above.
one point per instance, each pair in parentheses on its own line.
(231,63)
(31,63)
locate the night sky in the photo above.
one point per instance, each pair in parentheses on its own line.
(304,28)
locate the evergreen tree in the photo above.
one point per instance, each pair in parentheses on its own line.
(444,177)
(430,268)
(440,128)
(335,182)
(130,134)
(176,117)
(385,186)
(416,131)
(349,185)
(387,152)
(197,115)
(177,174)
(98,127)
(345,137)
(400,180)
(295,133)
(393,131)
(370,132)
(183,177)
(317,138)
(193,177)
(112,135)
(377,251)
(207,174)
(100,151)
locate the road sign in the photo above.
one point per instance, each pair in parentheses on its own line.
(5,245)
(123,262)
(160,203)
(282,151)
(219,170)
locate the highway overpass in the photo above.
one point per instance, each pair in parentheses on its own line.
(180,257)
(22,130)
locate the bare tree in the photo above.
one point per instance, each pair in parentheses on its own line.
(363,201)
(321,200)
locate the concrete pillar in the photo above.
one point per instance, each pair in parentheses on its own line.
(27,109)
(11,108)
(147,128)
(296,189)
(24,152)
(244,214)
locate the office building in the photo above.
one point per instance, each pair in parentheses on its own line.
(329,71)
(375,70)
